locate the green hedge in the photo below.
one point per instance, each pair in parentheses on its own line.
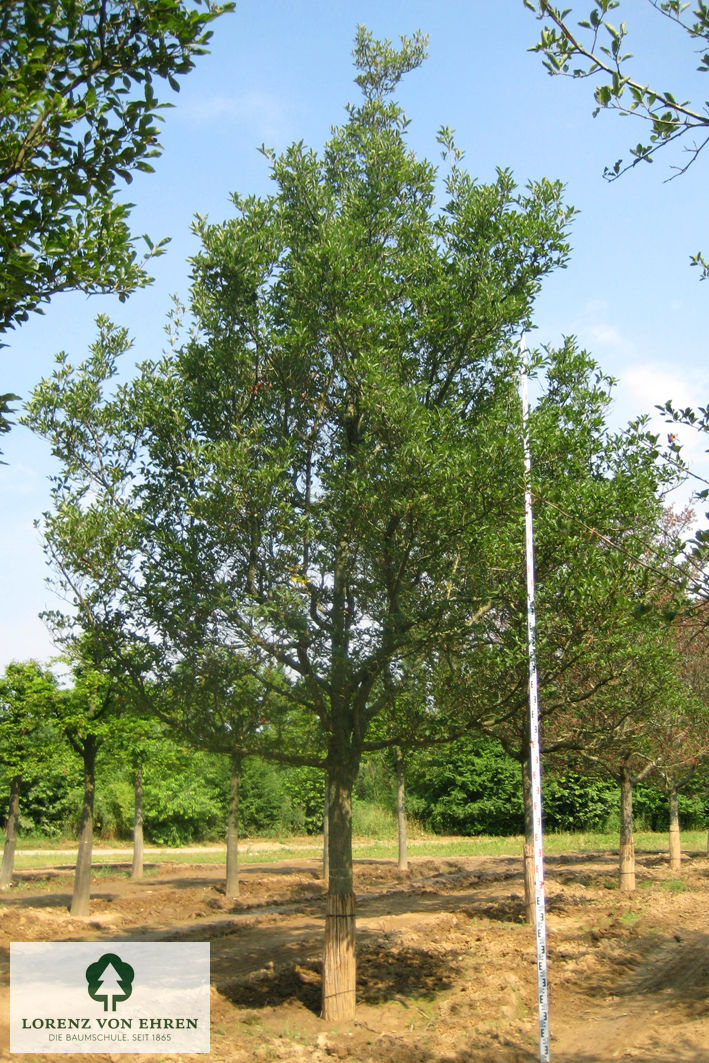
(470,787)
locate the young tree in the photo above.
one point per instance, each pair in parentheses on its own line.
(316,461)
(28,695)
(596,502)
(212,699)
(87,715)
(681,732)
(78,115)
(134,741)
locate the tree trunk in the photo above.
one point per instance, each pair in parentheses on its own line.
(82,875)
(403,862)
(627,845)
(326,835)
(13,818)
(232,829)
(339,964)
(675,842)
(530,908)
(137,871)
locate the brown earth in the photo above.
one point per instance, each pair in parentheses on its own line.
(446,966)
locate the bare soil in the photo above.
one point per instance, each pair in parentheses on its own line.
(446,965)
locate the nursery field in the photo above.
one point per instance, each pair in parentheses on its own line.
(446,965)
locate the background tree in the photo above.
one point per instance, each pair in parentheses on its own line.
(212,699)
(594,47)
(596,502)
(28,695)
(681,731)
(617,732)
(87,713)
(134,742)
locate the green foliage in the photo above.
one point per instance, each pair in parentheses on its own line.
(296,483)
(6,412)
(28,703)
(78,115)
(370,820)
(595,48)
(277,800)
(376,782)
(183,805)
(469,787)
(575,803)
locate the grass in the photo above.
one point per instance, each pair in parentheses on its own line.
(61,853)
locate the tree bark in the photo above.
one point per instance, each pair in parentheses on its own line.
(82,876)
(403,862)
(530,908)
(627,844)
(13,819)
(232,829)
(339,964)
(326,835)
(675,840)
(137,870)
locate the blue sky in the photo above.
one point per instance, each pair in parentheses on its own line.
(282,71)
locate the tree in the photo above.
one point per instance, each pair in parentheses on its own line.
(597,502)
(27,701)
(135,741)
(87,711)
(5,413)
(594,48)
(78,115)
(299,482)
(681,730)
(214,701)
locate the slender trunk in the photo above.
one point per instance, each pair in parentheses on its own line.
(232,829)
(529,905)
(675,842)
(82,875)
(403,862)
(137,871)
(627,845)
(13,819)
(326,835)
(339,965)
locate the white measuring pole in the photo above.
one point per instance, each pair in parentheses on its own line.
(534,765)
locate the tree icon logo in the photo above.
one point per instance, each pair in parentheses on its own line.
(110,980)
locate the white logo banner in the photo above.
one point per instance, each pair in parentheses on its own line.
(109,996)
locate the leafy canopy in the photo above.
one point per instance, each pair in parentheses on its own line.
(78,115)
(594,47)
(310,480)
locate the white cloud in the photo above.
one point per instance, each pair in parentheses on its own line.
(605,336)
(643,387)
(255,110)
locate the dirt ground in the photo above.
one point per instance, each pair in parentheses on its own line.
(446,965)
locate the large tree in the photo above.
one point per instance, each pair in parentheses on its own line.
(310,480)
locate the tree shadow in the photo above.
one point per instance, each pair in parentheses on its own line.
(394,973)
